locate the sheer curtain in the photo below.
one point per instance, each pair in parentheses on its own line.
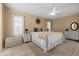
(17,25)
(16,30)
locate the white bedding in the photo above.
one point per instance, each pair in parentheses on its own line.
(47,40)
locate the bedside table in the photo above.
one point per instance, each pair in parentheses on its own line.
(26,38)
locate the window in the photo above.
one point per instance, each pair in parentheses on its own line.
(18,25)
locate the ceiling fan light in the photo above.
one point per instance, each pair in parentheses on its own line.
(52,13)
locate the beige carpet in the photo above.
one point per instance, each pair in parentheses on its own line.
(67,48)
(20,50)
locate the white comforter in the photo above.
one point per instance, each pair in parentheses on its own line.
(47,40)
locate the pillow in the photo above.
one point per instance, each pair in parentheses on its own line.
(43,35)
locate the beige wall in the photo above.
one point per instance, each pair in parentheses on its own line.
(3,25)
(63,23)
(30,23)
(0,26)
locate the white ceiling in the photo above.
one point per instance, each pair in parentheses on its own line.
(43,9)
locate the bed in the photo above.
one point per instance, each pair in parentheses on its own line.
(47,40)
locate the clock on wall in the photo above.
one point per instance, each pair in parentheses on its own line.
(38,21)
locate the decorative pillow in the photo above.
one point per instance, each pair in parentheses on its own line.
(43,35)
(40,36)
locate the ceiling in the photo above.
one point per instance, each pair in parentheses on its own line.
(44,9)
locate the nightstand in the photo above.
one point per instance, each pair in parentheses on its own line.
(26,38)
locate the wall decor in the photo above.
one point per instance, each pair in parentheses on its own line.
(74,26)
(38,21)
(35,29)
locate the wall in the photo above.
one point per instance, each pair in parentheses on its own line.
(3,25)
(30,23)
(61,24)
(0,26)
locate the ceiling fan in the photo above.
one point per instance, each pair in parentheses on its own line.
(54,11)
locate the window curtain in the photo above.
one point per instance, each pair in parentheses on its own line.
(17,24)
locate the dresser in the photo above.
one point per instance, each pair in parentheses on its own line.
(74,35)
(26,37)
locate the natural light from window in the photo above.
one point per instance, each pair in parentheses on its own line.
(18,25)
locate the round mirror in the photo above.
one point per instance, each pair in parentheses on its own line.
(74,26)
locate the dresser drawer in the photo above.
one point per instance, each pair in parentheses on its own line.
(72,35)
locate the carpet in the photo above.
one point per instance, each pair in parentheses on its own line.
(67,48)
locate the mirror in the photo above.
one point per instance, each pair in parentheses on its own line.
(74,26)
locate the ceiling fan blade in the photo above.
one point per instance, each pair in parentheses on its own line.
(54,9)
